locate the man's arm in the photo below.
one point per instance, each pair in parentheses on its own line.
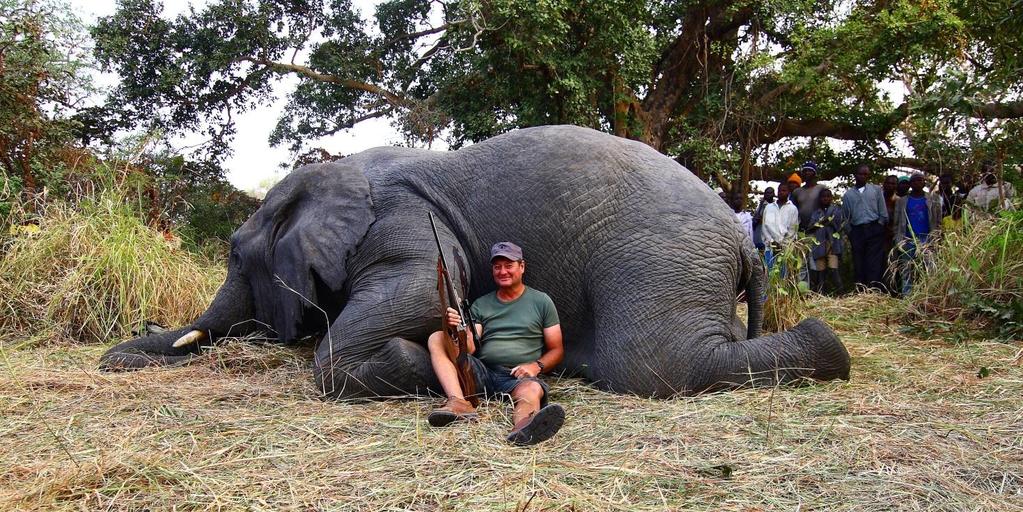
(792,224)
(771,232)
(882,209)
(553,353)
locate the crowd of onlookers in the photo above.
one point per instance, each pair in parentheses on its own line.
(887,225)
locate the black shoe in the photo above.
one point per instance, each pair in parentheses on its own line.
(539,427)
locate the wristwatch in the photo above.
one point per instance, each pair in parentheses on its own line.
(540,364)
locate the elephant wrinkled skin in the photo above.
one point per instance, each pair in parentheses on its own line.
(643,261)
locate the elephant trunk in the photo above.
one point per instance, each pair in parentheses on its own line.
(231,311)
(226,316)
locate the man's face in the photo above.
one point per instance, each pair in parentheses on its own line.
(861,175)
(990,179)
(825,199)
(769,195)
(809,174)
(890,183)
(507,273)
(916,183)
(945,182)
(783,192)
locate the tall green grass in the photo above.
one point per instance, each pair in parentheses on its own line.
(787,297)
(94,271)
(972,277)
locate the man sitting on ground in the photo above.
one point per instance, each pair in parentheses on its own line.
(521,338)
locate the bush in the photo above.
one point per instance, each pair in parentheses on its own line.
(95,271)
(786,295)
(972,277)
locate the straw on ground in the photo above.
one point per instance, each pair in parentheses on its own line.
(924,424)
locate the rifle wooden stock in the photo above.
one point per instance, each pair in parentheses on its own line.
(456,335)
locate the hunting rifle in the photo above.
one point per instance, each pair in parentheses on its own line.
(458,333)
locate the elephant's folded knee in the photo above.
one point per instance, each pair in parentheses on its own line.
(398,368)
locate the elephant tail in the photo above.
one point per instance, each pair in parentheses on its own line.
(755,277)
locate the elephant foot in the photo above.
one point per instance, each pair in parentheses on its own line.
(400,368)
(154,350)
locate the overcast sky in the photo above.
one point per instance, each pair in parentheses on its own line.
(254,160)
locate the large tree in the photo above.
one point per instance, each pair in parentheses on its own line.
(43,80)
(734,90)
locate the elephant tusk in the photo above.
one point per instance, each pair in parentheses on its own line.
(192,337)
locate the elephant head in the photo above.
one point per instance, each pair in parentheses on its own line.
(286,272)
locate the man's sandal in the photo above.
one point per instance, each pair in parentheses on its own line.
(538,427)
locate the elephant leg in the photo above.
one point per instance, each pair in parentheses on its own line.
(399,368)
(376,347)
(153,350)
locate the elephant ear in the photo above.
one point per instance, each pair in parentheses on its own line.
(310,226)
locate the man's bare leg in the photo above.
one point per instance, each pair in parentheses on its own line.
(442,357)
(526,397)
(533,424)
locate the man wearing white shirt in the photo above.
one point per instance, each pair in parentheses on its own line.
(744,217)
(781,222)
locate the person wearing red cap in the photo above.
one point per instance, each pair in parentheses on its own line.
(521,338)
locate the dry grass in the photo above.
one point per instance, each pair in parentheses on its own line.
(94,271)
(244,430)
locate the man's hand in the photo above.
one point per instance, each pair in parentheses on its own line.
(454,319)
(526,370)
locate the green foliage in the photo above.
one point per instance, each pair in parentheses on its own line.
(713,84)
(212,214)
(94,271)
(787,296)
(42,77)
(972,277)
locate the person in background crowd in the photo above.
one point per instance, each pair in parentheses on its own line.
(806,197)
(902,188)
(758,218)
(946,195)
(990,195)
(744,217)
(888,187)
(826,225)
(794,182)
(806,200)
(966,183)
(867,215)
(781,221)
(917,221)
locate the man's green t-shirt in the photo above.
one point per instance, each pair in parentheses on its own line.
(513,331)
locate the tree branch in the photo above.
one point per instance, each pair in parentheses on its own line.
(773,94)
(817,127)
(421,33)
(1010,110)
(280,67)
